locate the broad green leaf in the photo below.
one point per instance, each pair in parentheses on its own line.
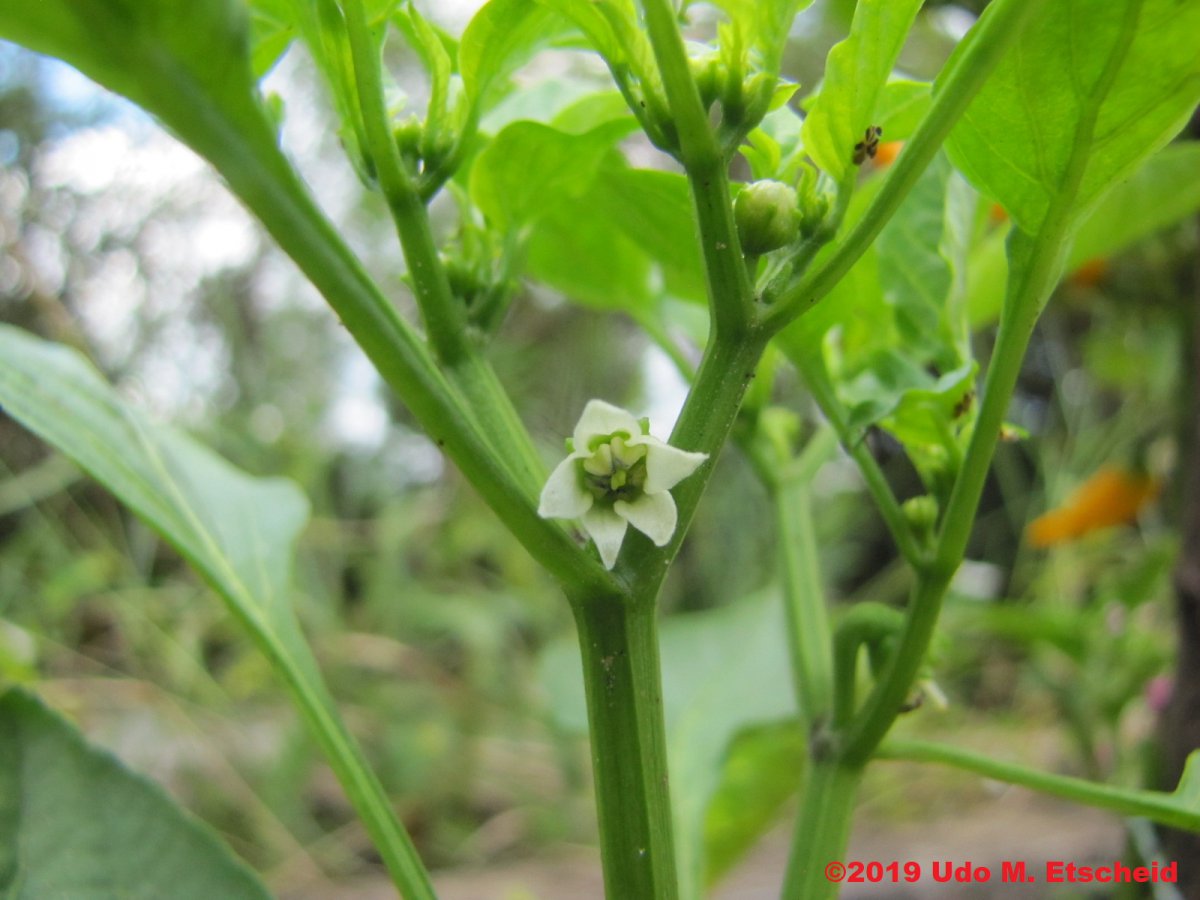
(854,315)
(1161,193)
(654,210)
(1091,89)
(572,252)
(629,237)
(723,671)
(500,37)
(75,823)
(855,74)
(235,530)
(597,24)
(529,166)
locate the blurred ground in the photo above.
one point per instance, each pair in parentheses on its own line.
(1017,826)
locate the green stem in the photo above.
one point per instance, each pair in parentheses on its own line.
(731,293)
(804,600)
(619,645)
(816,379)
(444,316)
(961,80)
(704,424)
(264,180)
(445,319)
(1035,264)
(1156,805)
(864,623)
(822,830)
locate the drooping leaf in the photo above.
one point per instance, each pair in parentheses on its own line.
(1089,91)
(931,415)
(75,823)
(855,74)
(622,243)
(235,530)
(715,666)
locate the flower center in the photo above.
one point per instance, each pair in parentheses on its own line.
(615,470)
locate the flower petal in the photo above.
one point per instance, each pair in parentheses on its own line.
(653,515)
(603,418)
(564,497)
(666,466)
(607,530)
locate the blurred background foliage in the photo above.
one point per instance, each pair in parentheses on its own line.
(429,619)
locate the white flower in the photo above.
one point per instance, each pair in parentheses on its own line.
(617,475)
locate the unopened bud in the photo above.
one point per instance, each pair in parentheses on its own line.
(766,216)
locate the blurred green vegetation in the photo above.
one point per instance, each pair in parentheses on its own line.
(427,616)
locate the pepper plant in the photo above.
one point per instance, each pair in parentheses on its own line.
(869,281)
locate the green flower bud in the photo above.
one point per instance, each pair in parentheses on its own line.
(922,514)
(766,216)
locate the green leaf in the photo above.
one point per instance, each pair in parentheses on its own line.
(654,210)
(75,823)
(235,530)
(902,106)
(765,26)
(501,36)
(723,671)
(429,46)
(529,166)
(914,275)
(627,239)
(1091,89)
(272,31)
(572,252)
(613,30)
(855,74)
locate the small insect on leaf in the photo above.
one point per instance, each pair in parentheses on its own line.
(868,146)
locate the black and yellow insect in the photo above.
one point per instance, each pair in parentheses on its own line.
(867,147)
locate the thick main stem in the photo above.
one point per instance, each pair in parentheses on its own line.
(618,642)
(822,830)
